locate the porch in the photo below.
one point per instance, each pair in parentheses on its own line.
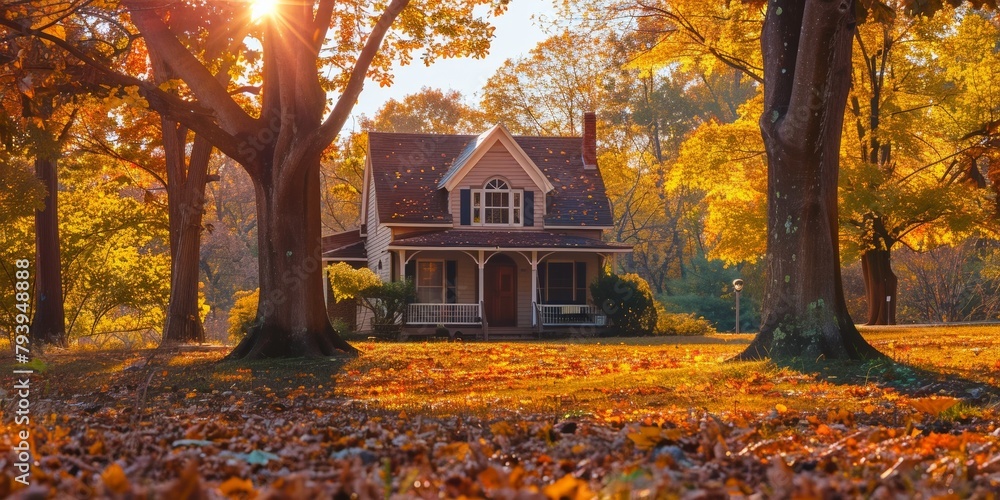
(519,283)
(469,320)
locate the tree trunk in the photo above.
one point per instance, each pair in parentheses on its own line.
(292,320)
(185,199)
(807,71)
(49,323)
(880,285)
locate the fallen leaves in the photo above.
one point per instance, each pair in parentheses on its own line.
(934,406)
(532,421)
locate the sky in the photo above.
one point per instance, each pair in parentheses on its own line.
(517,32)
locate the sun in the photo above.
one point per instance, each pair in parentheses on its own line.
(261,8)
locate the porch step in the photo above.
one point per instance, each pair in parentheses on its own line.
(511,333)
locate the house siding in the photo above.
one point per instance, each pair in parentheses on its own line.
(378,239)
(498,162)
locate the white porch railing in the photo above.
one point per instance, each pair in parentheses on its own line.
(571,315)
(444,314)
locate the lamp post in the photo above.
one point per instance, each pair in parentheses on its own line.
(738,286)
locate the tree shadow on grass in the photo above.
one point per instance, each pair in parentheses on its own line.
(904,378)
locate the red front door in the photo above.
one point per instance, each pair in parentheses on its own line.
(500,290)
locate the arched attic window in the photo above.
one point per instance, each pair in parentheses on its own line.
(496,204)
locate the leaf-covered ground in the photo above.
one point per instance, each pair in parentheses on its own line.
(611,417)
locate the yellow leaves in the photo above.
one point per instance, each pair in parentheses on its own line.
(782,409)
(502,429)
(648,436)
(127,96)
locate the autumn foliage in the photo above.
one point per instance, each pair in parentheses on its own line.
(665,416)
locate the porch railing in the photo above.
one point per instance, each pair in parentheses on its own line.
(571,315)
(444,314)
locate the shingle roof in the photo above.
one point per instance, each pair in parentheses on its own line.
(407,168)
(347,245)
(504,239)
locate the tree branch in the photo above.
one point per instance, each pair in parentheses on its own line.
(193,116)
(822,22)
(335,122)
(202,82)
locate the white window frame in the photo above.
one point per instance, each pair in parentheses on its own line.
(444,280)
(515,211)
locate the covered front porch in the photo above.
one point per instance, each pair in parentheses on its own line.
(508,290)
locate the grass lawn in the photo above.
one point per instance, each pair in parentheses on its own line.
(654,417)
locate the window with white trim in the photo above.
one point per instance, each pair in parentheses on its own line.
(496,204)
(430,282)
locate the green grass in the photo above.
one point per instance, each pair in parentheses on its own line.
(600,378)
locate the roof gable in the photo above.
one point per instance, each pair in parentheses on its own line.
(406,170)
(476,149)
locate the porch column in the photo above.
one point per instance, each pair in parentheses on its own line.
(401,268)
(326,286)
(482,263)
(534,288)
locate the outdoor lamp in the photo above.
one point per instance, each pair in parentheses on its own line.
(738,286)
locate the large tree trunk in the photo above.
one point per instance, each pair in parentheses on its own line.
(292,319)
(807,71)
(185,199)
(49,323)
(880,285)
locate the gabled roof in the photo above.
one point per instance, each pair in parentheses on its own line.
(344,246)
(477,148)
(407,169)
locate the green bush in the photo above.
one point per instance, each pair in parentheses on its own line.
(680,323)
(243,314)
(387,303)
(628,301)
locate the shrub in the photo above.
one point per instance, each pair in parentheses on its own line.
(243,314)
(680,323)
(387,303)
(628,301)
(347,282)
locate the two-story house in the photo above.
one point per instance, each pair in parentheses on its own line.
(501,234)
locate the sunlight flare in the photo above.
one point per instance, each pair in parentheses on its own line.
(261,8)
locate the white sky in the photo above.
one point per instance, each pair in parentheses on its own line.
(517,32)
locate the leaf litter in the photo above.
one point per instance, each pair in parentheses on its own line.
(267,431)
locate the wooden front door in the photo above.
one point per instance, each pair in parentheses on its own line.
(500,291)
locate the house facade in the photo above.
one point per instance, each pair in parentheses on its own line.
(501,234)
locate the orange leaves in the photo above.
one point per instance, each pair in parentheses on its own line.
(235,486)
(934,406)
(569,487)
(114,479)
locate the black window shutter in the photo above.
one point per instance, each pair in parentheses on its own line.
(528,212)
(450,275)
(411,270)
(465,202)
(581,282)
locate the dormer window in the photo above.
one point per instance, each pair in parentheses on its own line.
(496,204)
